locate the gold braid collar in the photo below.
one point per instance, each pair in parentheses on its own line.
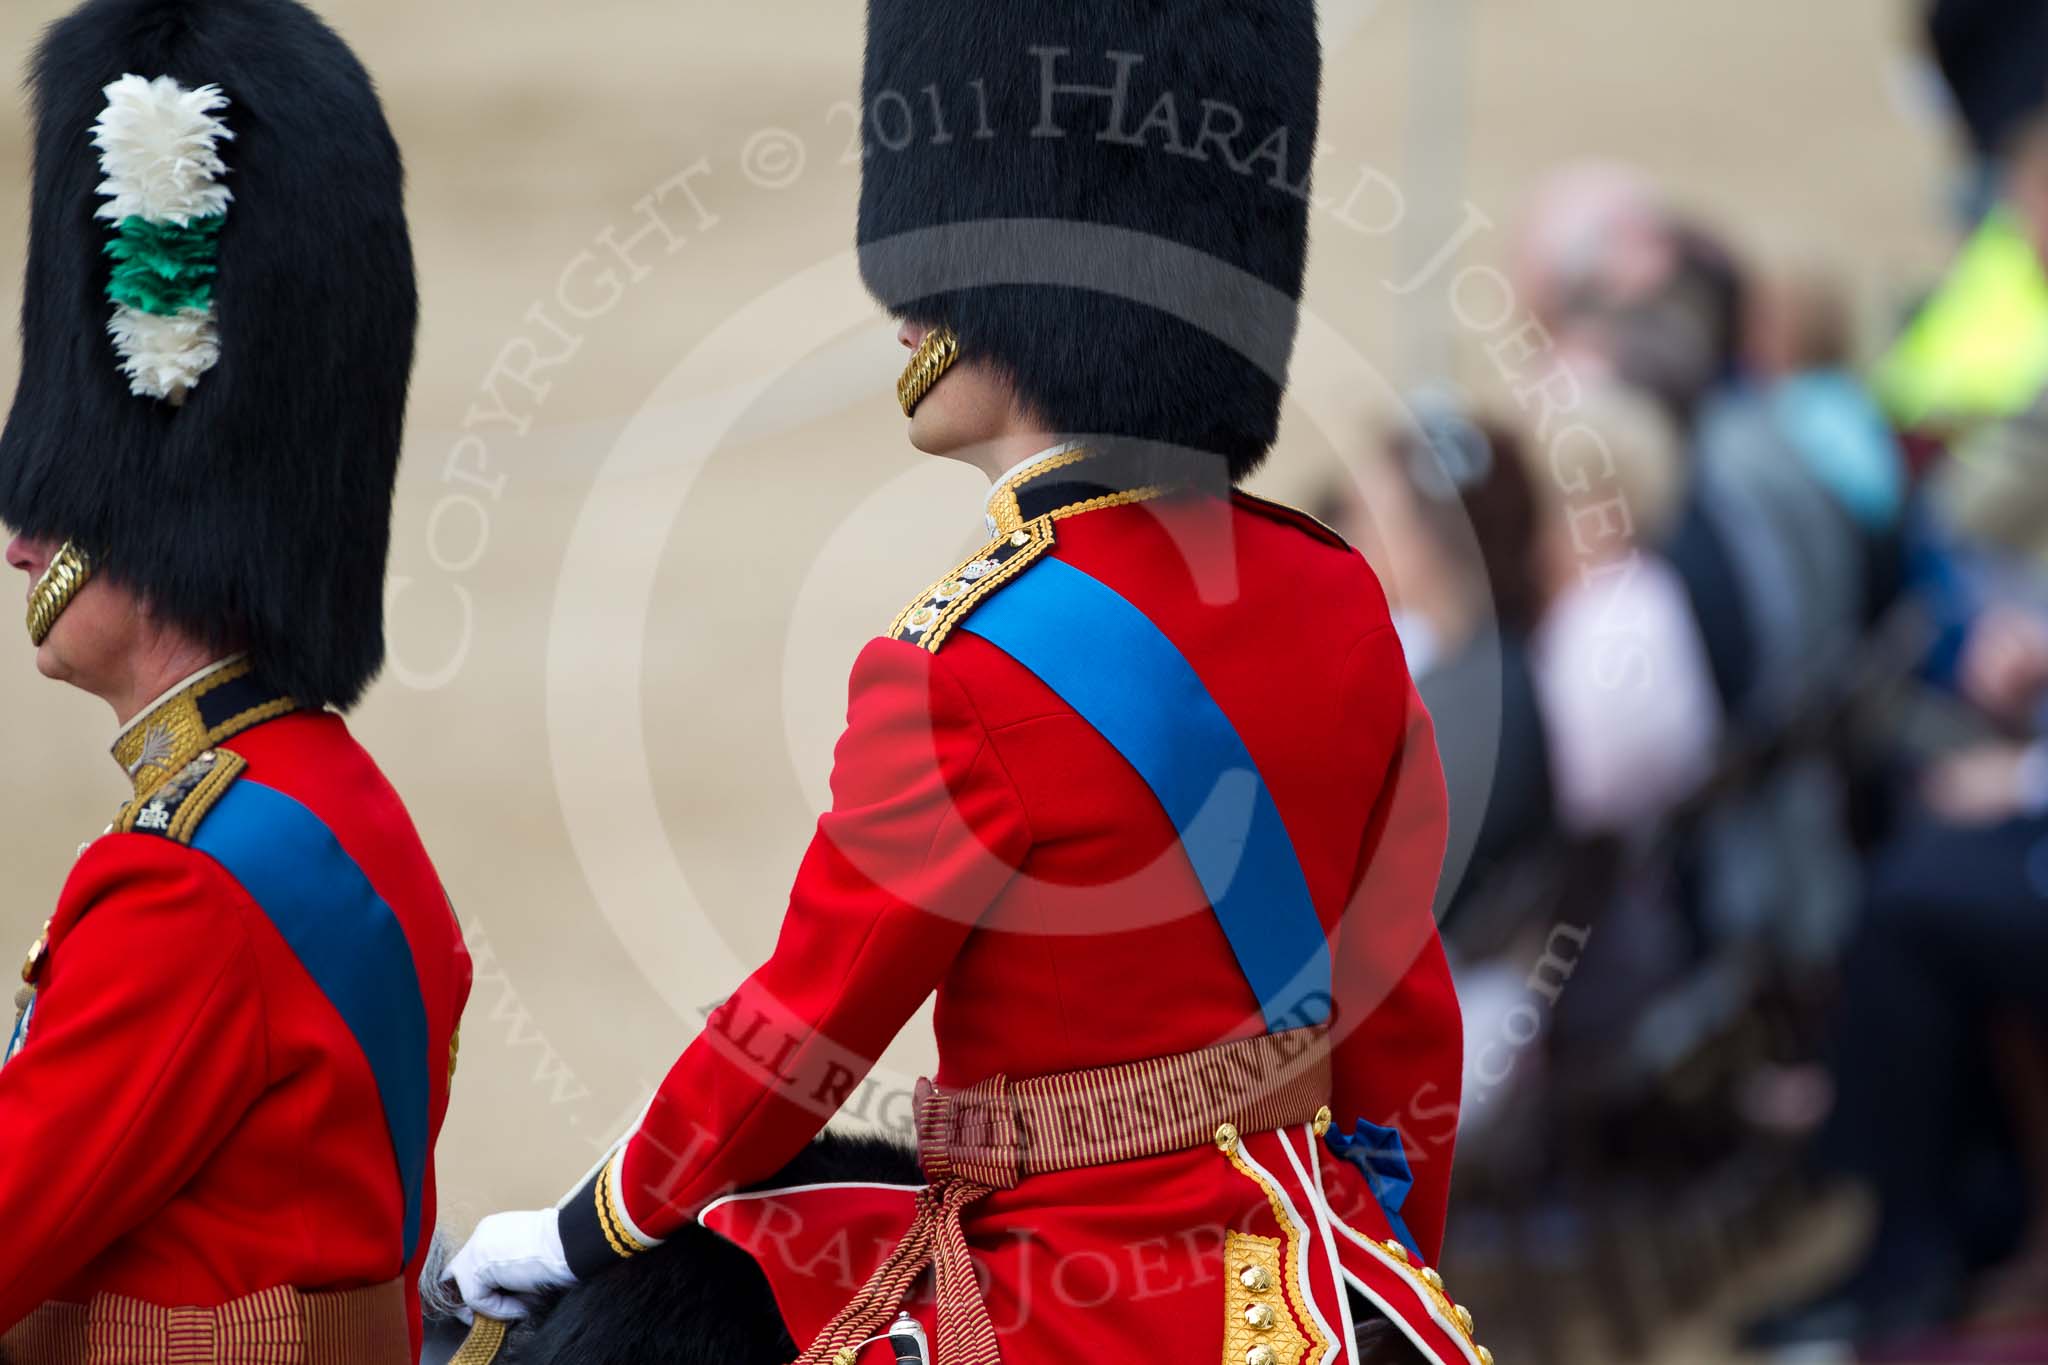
(207,712)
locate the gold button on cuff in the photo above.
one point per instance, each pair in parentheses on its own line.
(1464,1316)
(1324,1118)
(1432,1279)
(1396,1250)
(1256,1279)
(1485,1356)
(1260,1316)
(1226,1138)
(1261,1355)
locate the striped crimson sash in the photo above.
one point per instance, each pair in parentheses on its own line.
(1119,672)
(351,944)
(275,1327)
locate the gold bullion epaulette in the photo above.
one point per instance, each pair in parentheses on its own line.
(174,810)
(929,620)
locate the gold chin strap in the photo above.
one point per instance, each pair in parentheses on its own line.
(928,365)
(68,573)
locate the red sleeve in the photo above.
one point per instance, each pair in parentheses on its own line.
(145,1050)
(1400,1052)
(925,830)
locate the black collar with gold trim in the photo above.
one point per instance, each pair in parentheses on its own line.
(211,708)
(1066,485)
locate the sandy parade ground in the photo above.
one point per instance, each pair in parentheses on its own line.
(656,494)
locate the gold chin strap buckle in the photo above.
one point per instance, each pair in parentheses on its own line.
(61,582)
(928,365)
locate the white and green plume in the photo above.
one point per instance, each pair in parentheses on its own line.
(159,149)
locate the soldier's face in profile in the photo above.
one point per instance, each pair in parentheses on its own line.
(967,412)
(97,635)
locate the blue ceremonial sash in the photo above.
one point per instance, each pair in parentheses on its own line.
(349,942)
(1106,660)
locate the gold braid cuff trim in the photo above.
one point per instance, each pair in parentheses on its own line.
(610,1216)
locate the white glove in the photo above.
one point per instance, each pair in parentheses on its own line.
(511,1256)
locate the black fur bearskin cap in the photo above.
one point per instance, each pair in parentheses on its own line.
(252,506)
(1108,199)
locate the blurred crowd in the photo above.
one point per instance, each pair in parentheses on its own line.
(1739,666)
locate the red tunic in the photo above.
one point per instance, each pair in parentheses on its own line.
(986,843)
(190,1120)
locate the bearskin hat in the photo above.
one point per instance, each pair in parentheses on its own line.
(217,327)
(1108,200)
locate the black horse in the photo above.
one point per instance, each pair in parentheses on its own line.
(699,1300)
